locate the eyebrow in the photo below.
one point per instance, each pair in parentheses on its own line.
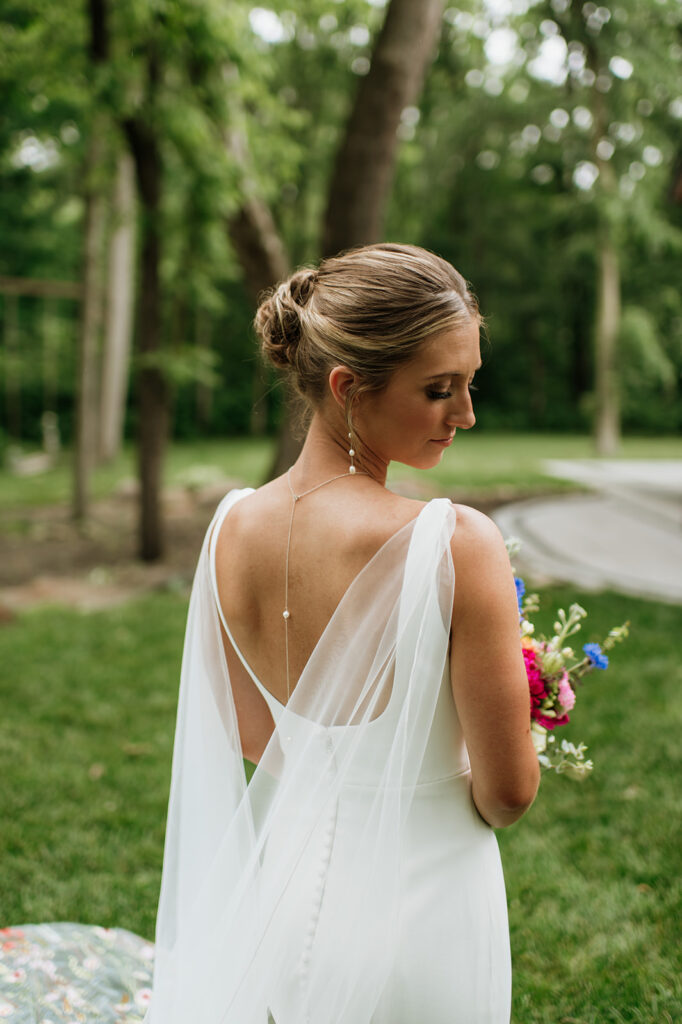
(453,373)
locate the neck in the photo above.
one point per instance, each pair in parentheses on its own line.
(325,453)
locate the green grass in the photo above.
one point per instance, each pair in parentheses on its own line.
(490,462)
(481,462)
(593,872)
(85,748)
(245,459)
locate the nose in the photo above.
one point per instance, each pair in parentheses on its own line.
(462,414)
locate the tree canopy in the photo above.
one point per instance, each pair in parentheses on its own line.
(545,132)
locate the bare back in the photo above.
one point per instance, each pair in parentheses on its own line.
(336,532)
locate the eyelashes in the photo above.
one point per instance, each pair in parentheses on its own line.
(437,396)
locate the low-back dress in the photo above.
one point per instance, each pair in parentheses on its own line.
(351,881)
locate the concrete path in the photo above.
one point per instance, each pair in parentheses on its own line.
(625,535)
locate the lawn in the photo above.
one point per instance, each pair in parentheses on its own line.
(593,871)
(477,462)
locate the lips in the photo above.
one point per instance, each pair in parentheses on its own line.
(444,440)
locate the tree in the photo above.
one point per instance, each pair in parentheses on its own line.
(363,171)
(152,384)
(92,302)
(361,180)
(119,310)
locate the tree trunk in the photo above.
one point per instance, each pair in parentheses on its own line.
(50,340)
(607,415)
(119,321)
(152,388)
(258,246)
(91,307)
(12,367)
(263,259)
(90,323)
(363,172)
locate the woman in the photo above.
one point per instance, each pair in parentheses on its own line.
(361,648)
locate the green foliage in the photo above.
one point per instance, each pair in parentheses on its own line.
(491,174)
(647,368)
(642,350)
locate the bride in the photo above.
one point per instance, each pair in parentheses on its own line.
(362,650)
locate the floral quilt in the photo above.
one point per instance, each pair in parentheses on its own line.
(74,974)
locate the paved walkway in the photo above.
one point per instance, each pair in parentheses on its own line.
(624,535)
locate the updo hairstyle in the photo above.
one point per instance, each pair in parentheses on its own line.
(368,309)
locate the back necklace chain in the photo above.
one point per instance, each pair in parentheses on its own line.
(295,498)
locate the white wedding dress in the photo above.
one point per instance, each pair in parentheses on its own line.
(351,881)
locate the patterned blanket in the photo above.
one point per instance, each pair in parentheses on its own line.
(74,974)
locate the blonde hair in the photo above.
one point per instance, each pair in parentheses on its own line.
(368,309)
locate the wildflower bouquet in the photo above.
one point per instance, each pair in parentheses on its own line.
(554,674)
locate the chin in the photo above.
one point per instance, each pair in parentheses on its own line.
(425,461)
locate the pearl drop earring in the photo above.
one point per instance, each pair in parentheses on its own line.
(351,452)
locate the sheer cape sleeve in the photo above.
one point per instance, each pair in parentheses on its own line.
(258,920)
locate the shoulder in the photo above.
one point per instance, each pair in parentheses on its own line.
(479,553)
(245,515)
(475,528)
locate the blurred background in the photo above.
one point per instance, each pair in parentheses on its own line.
(161,163)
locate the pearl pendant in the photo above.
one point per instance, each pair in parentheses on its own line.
(285,613)
(352,469)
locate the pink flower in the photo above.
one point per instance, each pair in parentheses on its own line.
(535,681)
(566,695)
(538,692)
(550,723)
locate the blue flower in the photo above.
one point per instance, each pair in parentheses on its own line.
(594,653)
(520,590)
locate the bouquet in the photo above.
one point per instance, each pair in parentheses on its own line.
(555,673)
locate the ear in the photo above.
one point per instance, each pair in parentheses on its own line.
(341,378)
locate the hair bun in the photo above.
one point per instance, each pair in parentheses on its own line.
(278,320)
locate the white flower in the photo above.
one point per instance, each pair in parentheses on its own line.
(143,997)
(538,735)
(552,662)
(578,770)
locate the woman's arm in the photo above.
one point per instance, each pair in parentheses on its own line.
(488,677)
